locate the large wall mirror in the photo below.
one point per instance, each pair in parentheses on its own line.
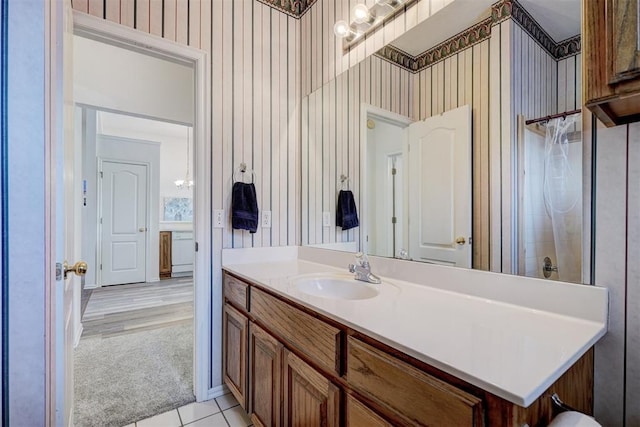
(432,142)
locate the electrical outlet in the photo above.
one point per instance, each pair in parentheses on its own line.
(266,219)
(218,218)
(326,219)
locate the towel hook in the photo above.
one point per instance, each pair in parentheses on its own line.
(243,169)
(345,181)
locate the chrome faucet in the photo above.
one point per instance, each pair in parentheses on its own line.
(362,270)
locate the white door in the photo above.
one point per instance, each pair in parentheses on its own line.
(124,223)
(68,216)
(440,189)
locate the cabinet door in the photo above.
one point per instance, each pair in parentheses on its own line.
(234,355)
(309,398)
(626,35)
(265,377)
(359,415)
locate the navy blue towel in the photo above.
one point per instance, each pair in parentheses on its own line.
(346,213)
(244,207)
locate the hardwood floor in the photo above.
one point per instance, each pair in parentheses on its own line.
(121,309)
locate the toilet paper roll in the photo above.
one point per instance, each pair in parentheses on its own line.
(573,419)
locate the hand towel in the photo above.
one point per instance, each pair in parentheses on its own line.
(244,207)
(346,213)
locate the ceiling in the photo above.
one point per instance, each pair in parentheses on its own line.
(559,18)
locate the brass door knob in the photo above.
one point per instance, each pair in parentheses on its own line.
(461,241)
(79,268)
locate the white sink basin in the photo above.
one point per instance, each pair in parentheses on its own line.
(337,287)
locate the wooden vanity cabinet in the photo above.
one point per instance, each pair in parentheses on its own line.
(358,414)
(235,327)
(611,59)
(265,377)
(310,399)
(290,366)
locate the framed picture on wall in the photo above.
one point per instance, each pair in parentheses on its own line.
(178,209)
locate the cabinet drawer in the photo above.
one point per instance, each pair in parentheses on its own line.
(358,415)
(236,291)
(407,393)
(299,330)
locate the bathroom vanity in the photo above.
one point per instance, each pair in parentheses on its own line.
(448,347)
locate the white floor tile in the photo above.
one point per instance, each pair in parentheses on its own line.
(236,417)
(196,411)
(227,401)
(216,420)
(168,419)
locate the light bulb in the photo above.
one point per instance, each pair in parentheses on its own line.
(341,29)
(361,14)
(392,3)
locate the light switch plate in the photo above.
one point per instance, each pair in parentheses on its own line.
(218,218)
(326,219)
(266,219)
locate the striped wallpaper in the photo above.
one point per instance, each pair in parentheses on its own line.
(617,355)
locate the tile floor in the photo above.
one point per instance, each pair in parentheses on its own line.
(222,411)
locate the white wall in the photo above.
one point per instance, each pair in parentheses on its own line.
(122,80)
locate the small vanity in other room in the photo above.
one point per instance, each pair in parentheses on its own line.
(458,348)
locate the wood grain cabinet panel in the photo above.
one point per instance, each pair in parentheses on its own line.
(611,59)
(408,394)
(165,254)
(310,399)
(316,339)
(236,291)
(359,415)
(234,357)
(265,377)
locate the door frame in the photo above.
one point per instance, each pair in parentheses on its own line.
(399,120)
(115,34)
(147,241)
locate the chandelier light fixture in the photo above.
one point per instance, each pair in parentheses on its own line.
(187,182)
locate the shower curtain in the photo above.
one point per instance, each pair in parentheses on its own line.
(562,191)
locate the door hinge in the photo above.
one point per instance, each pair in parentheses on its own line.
(58,271)
(101,174)
(100,220)
(196,246)
(394,220)
(393,171)
(100,266)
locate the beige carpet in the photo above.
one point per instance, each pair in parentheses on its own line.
(126,378)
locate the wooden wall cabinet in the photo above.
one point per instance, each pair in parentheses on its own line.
(165,254)
(290,366)
(611,59)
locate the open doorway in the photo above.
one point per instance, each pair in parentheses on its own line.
(136,337)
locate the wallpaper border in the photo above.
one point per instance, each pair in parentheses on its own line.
(295,8)
(500,12)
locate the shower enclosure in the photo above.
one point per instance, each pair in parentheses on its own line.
(550,199)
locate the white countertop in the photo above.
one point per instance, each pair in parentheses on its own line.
(513,351)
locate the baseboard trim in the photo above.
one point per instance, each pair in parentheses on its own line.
(76,339)
(218,391)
